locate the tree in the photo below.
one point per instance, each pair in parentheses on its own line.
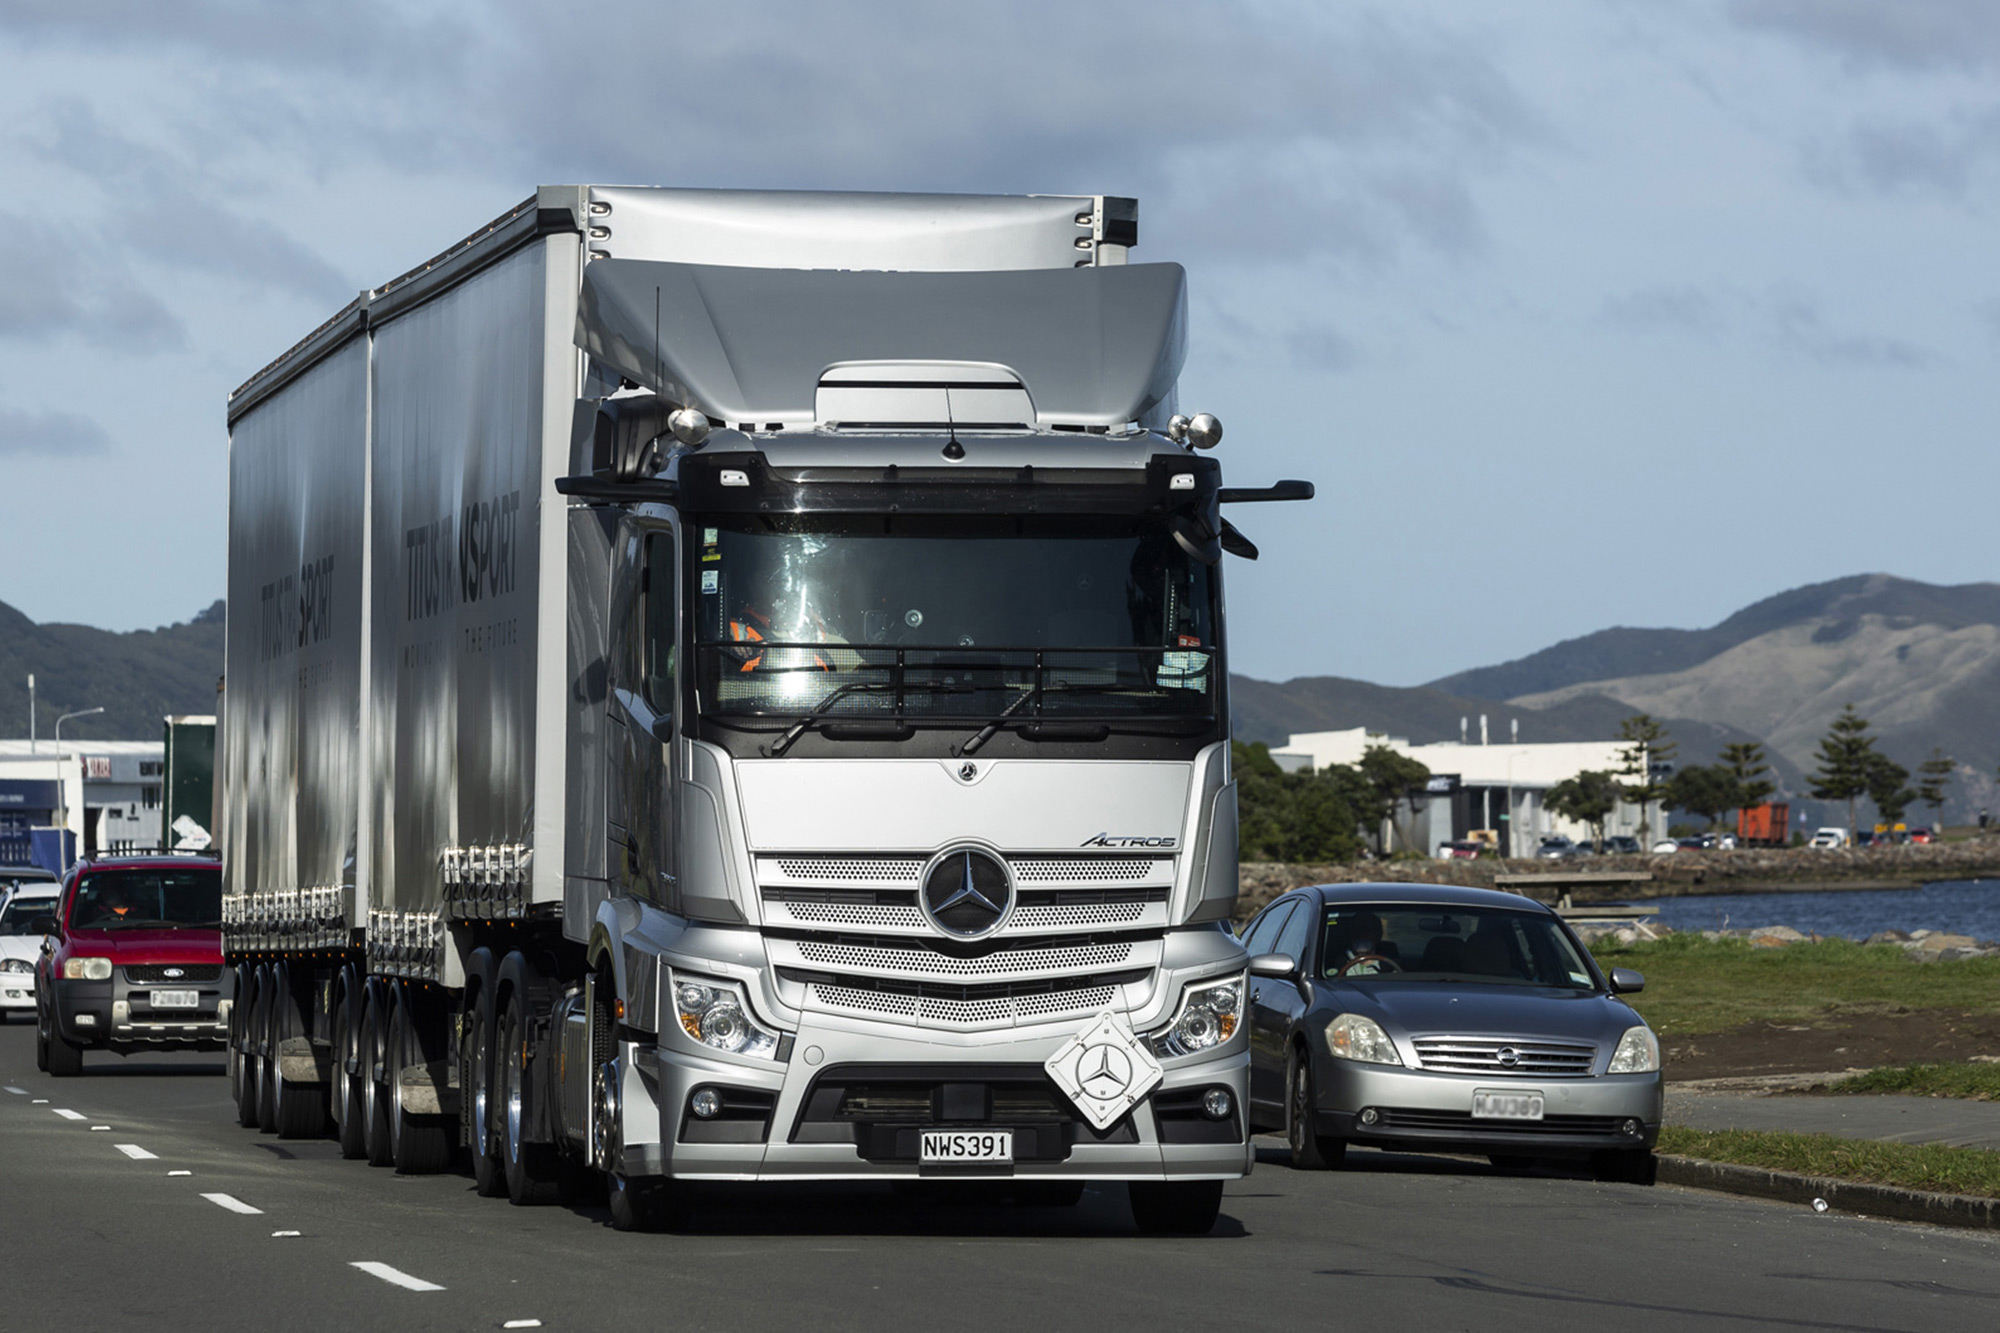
(1393,779)
(1846,756)
(1295,817)
(1936,771)
(1745,762)
(1888,787)
(1588,798)
(1645,761)
(1710,792)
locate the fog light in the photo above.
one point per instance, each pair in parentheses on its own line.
(1631,1129)
(707,1104)
(1216,1104)
(1369,1115)
(86,1020)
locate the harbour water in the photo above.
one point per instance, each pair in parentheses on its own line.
(1963,907)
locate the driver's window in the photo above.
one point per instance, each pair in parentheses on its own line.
(1292,939)
(1258,939)
(658,591)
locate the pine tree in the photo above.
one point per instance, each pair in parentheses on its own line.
(1745,762)
(1846,758)
(1935,772)
(1647,760)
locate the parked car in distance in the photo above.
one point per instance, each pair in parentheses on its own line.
(1923,835)
(1665,845)
(1622,844)
(136,962)
(1460,851)
(1428,1018)
(21,911)
(1555,847)
(1827,839)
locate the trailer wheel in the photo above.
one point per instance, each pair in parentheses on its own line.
(533,1175)
(236,1037)
(1176,1207)
(298,1110)
(374,1101)
(489,1177)
(348,1116)
(269,1001)
(249,995)
(420,1143)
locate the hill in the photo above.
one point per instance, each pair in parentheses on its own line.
(139,677)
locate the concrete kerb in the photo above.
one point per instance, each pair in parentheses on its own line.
(1946,1210)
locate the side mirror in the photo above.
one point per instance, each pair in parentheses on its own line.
(1624,981)
(1272,965)
(662,727)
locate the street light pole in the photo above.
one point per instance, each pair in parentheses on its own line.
(62,795)
(31,713)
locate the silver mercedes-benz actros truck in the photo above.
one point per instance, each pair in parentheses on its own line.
(731,686)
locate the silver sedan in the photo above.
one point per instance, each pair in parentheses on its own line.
(1434,1019)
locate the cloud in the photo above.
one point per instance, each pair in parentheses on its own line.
(1989,314)
(1891,156)
(1803,330)
(1903,35)
(59,284)
(1320,349)
(1682,308)
(56,434)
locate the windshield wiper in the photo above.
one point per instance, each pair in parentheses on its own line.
(800,727)
(987,732)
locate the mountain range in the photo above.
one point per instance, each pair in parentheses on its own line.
(1919,661)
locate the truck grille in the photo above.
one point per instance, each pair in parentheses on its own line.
(966,1006)
(1488,1055)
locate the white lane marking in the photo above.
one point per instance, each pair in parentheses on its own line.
(99,1129)
(39,1101)
(231,1202)
(522,1323)
(276,1234)
(394,1276)
(66,1113)
(180,1173)
(18,1092)
(136,1153)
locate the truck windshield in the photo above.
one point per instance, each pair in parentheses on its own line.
(919,619)
(134,899)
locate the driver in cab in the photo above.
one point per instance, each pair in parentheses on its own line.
(1357,948)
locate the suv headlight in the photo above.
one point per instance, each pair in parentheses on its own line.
(714,1013)
(1208,1017)
(1352,1037)
(86,969)
(1638,1052)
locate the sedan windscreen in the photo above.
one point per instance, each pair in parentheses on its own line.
(1416,943)
(139,899)
(18,916)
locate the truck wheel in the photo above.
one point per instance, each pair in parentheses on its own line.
(1176,1207)
(489,1178)
(375,1141)
(530,1168)
(1310,1151)
(267,1050)
(298,1110)
(347,1113)
(236,1039)
(647,1203)
(420,1144)
(248,994)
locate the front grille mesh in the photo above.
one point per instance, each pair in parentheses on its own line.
(152,974)
(1393,1118)
(963,1012)
(1482,1055)
(1083,870)
(855,914)
(849,868)
(929,962)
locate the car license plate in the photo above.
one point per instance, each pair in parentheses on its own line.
(1494,1105)
(946,1147)
(177,999)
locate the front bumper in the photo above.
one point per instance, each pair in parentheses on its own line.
(783,1121)
(17,990)
(1431,1112)
(119,1014)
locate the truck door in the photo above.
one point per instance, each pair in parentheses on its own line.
(639,712)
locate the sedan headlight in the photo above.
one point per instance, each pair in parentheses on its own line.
(1352,1037)
(1208,1018)
(86,969)
(16,965)
(714,1014)
(1638,1052)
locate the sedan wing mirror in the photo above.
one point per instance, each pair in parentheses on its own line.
(1624,981)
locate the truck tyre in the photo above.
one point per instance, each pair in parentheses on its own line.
(376,1145)
(1176,1207)
(249,994)
(236,1037)
(531,1169)
(419,1144)
(298,1110)
(1310,1151)
(267,1053)
(489,1176)
(346,1098)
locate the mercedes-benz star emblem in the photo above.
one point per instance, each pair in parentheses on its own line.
(967,892)
(1508,1056)
(1104,1071)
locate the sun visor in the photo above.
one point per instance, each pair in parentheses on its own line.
(1090,346)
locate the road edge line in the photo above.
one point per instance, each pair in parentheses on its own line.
(1853,1196)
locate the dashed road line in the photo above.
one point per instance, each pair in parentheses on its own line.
(66,1113)
(231,1202)
(394,1276)
(136,1153)
(99,1129)
(18,1092)
(180,1173)
(522,1323)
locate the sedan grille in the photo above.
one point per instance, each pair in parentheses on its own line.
(1462,1122)
(1500,1055)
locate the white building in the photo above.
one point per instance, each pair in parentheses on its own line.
(106,793)
(1497,787)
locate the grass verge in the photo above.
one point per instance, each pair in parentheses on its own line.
(1696,985)
(1916,1166)
(1972,1080)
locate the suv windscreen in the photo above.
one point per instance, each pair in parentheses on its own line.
(151,898)
(1410,943)
(922,618)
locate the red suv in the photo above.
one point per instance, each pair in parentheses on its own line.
(134,962)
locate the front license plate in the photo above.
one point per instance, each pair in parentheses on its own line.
(945,1147)
(177,999)
(1488,1105)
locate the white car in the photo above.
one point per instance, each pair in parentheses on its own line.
(1827,839)
(21,946)
(1665,845)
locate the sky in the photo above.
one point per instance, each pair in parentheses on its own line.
(1577,313)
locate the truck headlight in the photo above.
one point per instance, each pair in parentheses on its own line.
(1352,1037)
(1208,1017)
(714,1013)
(86,969)
(1638,1052)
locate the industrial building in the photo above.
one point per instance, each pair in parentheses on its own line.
(1502,788)
(106,794)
